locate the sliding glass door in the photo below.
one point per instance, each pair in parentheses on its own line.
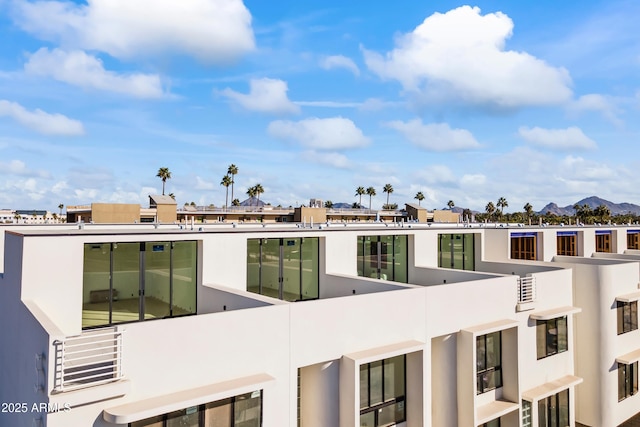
(286,269)
(383,257)
(126,282)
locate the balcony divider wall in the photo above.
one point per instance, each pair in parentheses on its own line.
(287,269)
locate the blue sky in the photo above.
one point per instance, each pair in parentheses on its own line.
(531,101)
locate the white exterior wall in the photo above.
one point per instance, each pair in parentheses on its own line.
(259,335)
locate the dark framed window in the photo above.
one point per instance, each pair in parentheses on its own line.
(627,313)
(456,251)
(627,380)
(287,269)
(492,423)
(603,242)
(489,362)
(523,246)
(383,257)
(553,411)
(382,392)
(633,239)
(137,281)
(551,336)
(244,410)
(567,244)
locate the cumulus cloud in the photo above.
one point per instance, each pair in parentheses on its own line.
(461,54)
(439,175)
(211,30)
(336,160)
(597,103)
(18,167)
(265,96)
(557,139)
(40,121)
(474,180)
(339,61)
(333,133)
(80,69)
(435,136)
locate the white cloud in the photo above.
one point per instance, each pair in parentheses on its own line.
(598,103)
(339,61)
(40,121)
(79,69)
(265,96)
(18,167)
(333,133)
(210,30)
(461,54)
(473,180)
(557,139)
(437,175)
(435,136)
(336,160)
(202,184)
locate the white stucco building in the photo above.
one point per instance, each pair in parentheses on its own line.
(332,325)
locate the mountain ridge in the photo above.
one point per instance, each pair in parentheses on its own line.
(593,202)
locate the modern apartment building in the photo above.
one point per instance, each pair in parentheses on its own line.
(284,325)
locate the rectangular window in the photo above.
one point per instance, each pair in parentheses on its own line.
(627,313)
(489,362)
(129,282)
(633,239)
(382,392)
(492,423)
(553,411)
(567,243)
(239,411)
(383,257)
(523,246)
(627,380)
(603,241)
(456,251)
(551,336)
(287,269)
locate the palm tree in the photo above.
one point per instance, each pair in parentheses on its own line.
(251,192)
(233,171)
(259,190)
(328,204)
(528,209)
(60,206)
(371,192)
(490,209)
(466,214)
(226,182)
(502,203)
(235,202)
(360,192)
(388,188)
(419,196)
(164,175)
(451,204)
(173,196)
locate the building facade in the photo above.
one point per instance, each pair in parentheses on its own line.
(272,325)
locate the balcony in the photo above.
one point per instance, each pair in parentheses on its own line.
(90,359)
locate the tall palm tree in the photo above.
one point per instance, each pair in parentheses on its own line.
(450,204)
(226,182)
(388,188)
(164,175)
(233,171)
(60,206)
(371,192)
(419,196)
(490,209)
(259,190)
(360,191)
(528,209)
(251,192)
(502,203)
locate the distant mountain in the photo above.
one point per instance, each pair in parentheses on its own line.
(593,202)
